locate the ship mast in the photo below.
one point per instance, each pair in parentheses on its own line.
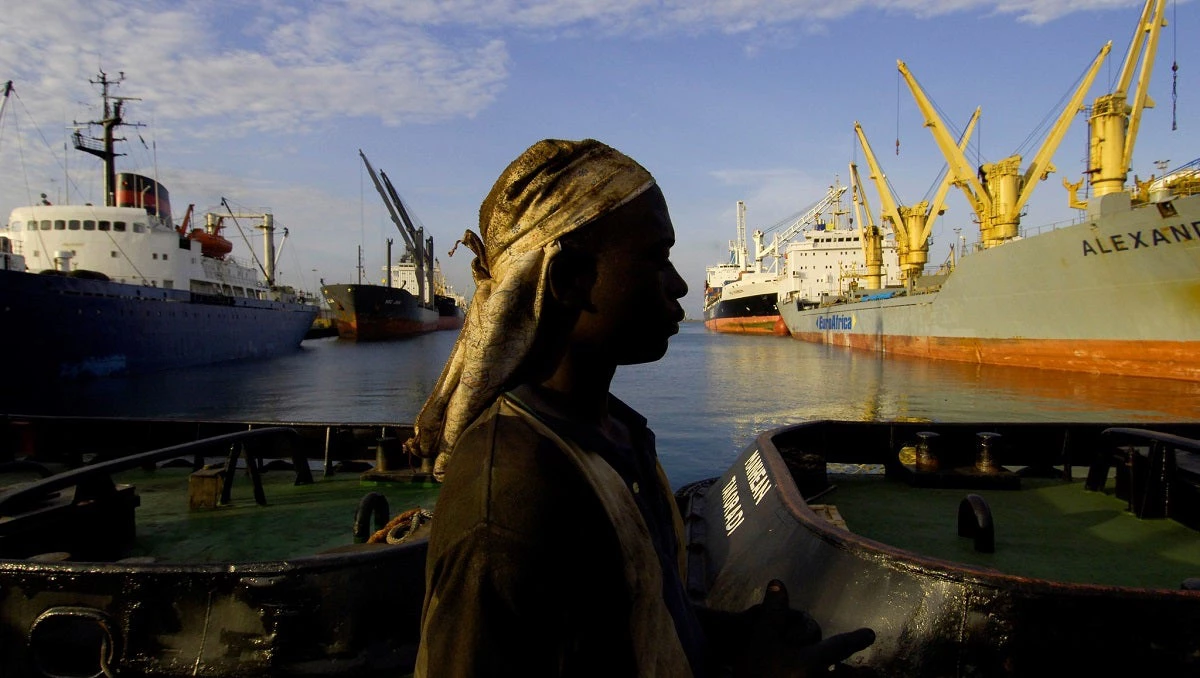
(741,256)
(113,107)
(999,192)
(911,224)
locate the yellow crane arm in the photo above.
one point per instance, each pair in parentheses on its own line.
(889,208)
(1141,99)
(1135,47)
(1040,167)
(860,200)
(960,167)
(939,199)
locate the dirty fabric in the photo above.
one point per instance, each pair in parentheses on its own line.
(552,563)
(553,188)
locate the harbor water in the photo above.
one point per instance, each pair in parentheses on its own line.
(705,400)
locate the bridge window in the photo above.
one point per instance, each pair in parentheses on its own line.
(89,225)
(60,225)
(73,225)
(45,224)
(139,227)
(119,226)
(164,256)
(104,226)
(154,255)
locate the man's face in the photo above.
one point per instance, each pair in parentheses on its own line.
(635,300)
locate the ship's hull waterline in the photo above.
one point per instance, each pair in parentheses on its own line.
(81,327)
(378,313)
(751,314)
(1117,294)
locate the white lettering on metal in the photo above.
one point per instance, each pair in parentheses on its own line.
(732,504)
(756,476)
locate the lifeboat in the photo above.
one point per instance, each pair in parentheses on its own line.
(211,244)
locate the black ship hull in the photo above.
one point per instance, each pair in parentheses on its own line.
(450,314)
(72,327)
(375,312)
(751,314)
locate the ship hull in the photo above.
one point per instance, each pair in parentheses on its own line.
(450,314)
(1117,294)
(75,327)
(377,313)
(750,314)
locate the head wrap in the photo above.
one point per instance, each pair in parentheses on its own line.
(551,189)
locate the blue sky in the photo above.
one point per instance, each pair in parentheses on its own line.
(266,103)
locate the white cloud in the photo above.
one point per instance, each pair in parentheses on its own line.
(264,67)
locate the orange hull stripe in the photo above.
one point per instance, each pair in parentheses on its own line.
(757,324)
(1157,359)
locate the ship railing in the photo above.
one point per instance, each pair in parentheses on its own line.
(1029,231)
(1158,473)
(251,444)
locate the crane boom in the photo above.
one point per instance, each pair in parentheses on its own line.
(911,224)
(870,235)
(999,192)
(1040,167)
(888,207)
(960,169)
(832,196)
(939,198)
(1141,99)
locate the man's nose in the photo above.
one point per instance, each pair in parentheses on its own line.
(677,285)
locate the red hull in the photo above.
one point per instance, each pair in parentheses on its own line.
(1142,358)
(770,324)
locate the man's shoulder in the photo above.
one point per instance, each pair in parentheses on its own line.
(505,471)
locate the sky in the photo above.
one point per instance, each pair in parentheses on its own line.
(266,104)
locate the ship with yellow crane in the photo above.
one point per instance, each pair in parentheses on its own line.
(809,255)
(1117,293)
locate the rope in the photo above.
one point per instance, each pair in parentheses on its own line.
(402,527)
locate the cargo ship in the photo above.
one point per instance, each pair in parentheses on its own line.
(1112,294)
(118,288)
(740,296)
(405,305)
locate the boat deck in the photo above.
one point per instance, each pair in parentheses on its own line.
(1048,529)
(296,521)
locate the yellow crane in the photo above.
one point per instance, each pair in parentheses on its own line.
(870,235)
(1000,190)
(1113,124)
(911,224)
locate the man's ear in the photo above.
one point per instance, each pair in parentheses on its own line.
(571,276)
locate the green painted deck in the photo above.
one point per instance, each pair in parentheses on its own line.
(1048,529)
(298,520)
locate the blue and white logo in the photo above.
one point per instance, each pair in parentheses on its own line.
(835,322)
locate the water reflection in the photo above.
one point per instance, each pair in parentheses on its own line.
(713,393)
(705,400)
